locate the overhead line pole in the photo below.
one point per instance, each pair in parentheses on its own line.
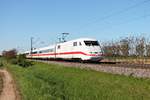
(31,39)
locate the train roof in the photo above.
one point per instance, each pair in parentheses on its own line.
(79,39)
(52,46)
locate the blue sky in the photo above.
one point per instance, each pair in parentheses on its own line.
(46,19)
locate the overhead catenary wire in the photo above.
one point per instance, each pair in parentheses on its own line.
(125,22)
(113,14)
(36,43)
(129,21)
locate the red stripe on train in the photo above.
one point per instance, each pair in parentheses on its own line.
(65,53)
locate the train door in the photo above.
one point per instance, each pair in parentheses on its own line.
(58,51)
(67,50)
(74,50)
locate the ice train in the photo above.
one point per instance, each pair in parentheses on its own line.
(85,49)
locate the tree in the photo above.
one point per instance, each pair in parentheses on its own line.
(107,50)
(147,50)
(140,47)
(124,47)
(9,54)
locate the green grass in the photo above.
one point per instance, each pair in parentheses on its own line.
(55,82)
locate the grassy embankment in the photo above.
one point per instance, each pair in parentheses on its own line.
(55,82)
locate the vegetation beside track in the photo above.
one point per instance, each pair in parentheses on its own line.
(1,80)
(50,81)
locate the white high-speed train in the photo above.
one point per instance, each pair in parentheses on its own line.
(81,49)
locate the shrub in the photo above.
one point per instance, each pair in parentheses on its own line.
(13,61)
(24,63)
(21,56)
(21,59)
(1,64)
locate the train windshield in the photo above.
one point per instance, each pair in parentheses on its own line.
(91,43)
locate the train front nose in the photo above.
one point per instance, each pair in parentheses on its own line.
(96,56)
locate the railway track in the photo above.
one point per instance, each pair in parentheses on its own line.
(108,63)
(135,70)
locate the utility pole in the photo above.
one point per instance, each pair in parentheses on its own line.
(31,39)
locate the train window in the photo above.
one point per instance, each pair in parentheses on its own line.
(91,43)
(46,51)
(51,50)
(74,43)
(35,52)
(58,47)
(80,43)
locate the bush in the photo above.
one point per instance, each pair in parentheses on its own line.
(13,61)
(21,56)
(1,64)
(21,59)
(24,63)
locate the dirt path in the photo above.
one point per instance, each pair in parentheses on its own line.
(9,91)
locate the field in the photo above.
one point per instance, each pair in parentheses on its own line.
(55,82)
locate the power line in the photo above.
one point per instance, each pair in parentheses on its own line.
(129,21)
(115,13)
(37,40)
